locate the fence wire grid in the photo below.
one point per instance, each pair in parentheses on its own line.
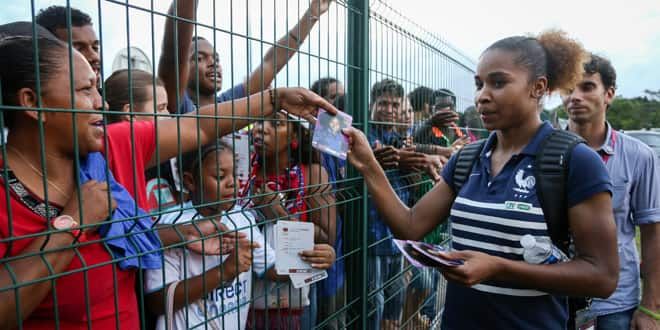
(148,176)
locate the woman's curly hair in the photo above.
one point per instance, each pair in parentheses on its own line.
(551,54)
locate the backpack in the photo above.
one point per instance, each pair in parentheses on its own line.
(551,174)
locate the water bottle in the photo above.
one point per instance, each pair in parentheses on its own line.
(541,251)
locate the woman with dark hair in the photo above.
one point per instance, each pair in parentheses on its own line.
(54,237)
(287,182)
(494,288)
(135,91)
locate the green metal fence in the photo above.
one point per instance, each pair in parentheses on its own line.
(174,226)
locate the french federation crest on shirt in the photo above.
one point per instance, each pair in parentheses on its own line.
(524,182)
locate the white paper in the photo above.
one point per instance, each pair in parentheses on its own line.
(241,144)
(291,238)
(301,280)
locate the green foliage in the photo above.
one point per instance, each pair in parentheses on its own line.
(630,114)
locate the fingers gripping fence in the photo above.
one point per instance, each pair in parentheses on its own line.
(156,154)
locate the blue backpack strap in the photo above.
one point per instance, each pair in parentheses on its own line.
(551,173)
(464,162)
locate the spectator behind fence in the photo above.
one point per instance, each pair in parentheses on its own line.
(328,88)
(438,111)
(226,281)
(492,286)
(474,127)
(288,183)
(200,75)
(633,168)
(406,121)
(83,37)
(137,97)
(385,263)
(19,89)
(432,133)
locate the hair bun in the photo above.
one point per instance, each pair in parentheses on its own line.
(565,59)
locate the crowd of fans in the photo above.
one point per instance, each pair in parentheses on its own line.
(131,212)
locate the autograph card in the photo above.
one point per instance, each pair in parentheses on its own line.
(301,280)
(291,238)
(415,258)
(328,136)
(436,252)
(412,251)
(240,142)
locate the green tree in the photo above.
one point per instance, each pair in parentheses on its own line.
(630,113)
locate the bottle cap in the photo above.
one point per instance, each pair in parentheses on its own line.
(528,241)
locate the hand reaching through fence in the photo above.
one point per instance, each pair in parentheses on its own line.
(388,157)
(203,239)
(459,143)
(270,203)
(409,160)
(201,127)
(301,102)
(319,7)
(240,259)
(444,118)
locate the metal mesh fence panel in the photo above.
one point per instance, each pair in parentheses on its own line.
(158,168)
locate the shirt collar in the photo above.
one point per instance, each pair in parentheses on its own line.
(610,139)
(530,148)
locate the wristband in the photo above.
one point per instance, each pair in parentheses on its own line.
(292,36)
(649,312)
(271,93)
(67,224)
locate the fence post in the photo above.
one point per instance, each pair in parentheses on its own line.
(357,101)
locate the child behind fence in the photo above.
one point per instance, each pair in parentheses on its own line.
(288,183)
(216,288)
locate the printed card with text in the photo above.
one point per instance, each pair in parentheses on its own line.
(301,280)
(292,238)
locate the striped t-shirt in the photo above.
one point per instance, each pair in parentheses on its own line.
(490,215)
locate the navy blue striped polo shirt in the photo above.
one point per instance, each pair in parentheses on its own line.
(490,215)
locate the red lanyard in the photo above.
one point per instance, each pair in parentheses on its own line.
(294,180)
(604,155)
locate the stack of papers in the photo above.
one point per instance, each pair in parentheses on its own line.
(291,239)
(421,254)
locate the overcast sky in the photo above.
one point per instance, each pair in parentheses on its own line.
(627,32)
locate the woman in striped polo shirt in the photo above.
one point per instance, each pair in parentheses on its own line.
(495,288)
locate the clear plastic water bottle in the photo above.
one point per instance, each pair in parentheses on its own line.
(541,251)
